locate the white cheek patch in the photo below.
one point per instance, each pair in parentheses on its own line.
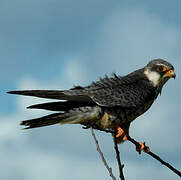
(153,76)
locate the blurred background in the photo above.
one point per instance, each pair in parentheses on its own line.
(55,44)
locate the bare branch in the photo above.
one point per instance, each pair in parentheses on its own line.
(121,175)
(156,157)
(176,171)
(102,156)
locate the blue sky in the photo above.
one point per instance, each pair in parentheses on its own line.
(55,44)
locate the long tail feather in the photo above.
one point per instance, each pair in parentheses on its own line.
(43,121)
(54,94)
(60,106)
(81,115)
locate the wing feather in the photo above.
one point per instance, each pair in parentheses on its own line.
(129,91)
(72,95)
(132,90)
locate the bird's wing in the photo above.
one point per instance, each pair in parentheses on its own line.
(70,95)
(128,91)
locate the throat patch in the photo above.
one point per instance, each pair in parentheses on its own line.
(153,76)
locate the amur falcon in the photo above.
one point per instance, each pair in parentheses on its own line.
(110,103)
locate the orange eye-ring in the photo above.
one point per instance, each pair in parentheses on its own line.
(161,68)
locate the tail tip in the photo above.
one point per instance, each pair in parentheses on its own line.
(29,107)
(23,123)
(13,92)
(10,92)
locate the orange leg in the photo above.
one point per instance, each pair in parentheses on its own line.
(143,147)
(121,134)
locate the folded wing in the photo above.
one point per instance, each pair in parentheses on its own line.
(128,91)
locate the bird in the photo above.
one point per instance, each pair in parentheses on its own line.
(109,103)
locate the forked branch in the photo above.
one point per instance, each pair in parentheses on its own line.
(153,155)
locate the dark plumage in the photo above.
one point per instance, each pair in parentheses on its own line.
(107,103)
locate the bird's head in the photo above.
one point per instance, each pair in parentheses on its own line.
(159,71)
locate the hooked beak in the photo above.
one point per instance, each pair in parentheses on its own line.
(171,74)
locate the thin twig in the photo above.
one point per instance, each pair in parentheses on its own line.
(176,171)
(121,175)
(102,156)
(156,157)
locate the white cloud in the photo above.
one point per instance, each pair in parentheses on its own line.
(10,130)
(131,37)
(31,161)
(130,34)
(75,72)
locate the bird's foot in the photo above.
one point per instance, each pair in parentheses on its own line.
(121,134)
(142,147)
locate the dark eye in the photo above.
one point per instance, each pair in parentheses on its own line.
(161,68)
